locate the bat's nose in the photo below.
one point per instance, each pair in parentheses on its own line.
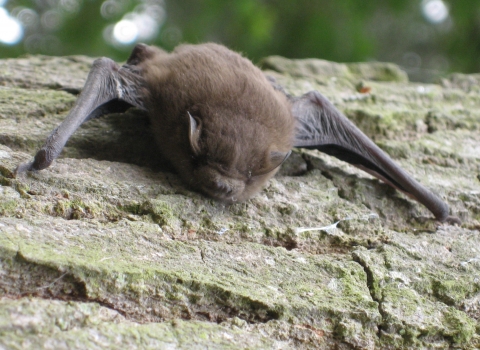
(219,186)
(223,189)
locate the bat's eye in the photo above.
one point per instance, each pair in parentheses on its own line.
(194,131)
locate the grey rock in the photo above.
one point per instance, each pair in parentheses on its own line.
(108,249)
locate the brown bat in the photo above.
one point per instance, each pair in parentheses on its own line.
(224,126)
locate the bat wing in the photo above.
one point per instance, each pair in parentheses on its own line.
(323,127)
(109,88)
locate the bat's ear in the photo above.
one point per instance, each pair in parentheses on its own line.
(195,127)
(276,159)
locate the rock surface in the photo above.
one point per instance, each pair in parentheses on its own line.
(107,248)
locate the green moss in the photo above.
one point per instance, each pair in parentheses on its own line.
(76,325)
(461,328)
(10,202)
(316,68)
(452,292)
(132,207)
(241,227)
(76,209)
(33,103)
(178,281)
(8,208)
(160,211)
(379,123)
(410,317)
(378,71)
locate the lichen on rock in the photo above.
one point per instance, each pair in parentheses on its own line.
(107,248)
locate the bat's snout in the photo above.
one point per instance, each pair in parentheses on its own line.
(218,186)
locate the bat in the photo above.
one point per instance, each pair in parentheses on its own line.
(225,126)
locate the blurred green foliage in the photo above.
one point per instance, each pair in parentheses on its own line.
(344,31)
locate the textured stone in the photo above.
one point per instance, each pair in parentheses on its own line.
(108,249)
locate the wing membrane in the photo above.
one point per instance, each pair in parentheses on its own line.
(323,127)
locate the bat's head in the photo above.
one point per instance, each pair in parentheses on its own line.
(218,120)
(229,163)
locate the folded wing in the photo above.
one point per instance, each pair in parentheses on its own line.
(323,127)
(109,88)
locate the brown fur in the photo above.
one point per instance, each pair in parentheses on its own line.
(243,123)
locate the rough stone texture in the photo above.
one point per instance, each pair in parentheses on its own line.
(107,248)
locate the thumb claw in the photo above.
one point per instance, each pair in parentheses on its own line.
(42,160)
(453,220)
(23,168)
